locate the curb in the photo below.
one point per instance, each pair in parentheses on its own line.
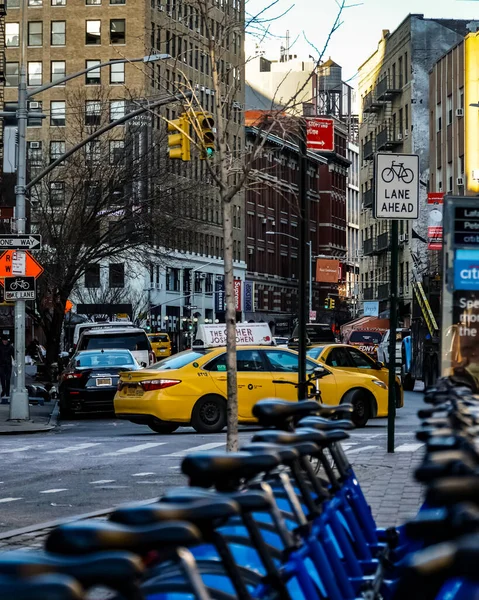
(50,524)
(51,424)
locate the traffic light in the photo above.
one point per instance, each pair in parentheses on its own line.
(332,302)
(326,303)
(179,139)
(206,124)
(148,325)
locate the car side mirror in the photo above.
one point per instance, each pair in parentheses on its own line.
(143,364)
(379,364)
(320,371)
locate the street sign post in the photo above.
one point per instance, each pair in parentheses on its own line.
(17,241)
(320,134)
(396,198)
(20,288)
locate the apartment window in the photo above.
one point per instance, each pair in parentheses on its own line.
(93,33)
(117,1)
(117,31)
(58,35)
(33,107)
(35,2)
(59,2)
(13,4)
(93,77)
(57,113)
(34,154)
(35,33)
(92,112)
(12,35)
(57,149)
(93,2)
(34,73)
(117,150)
(92,276)
(406,118)
(449,110)
(93,152)
(11,74)
(172,279)
(116,275)
(58,70)
(57,193)
(117,73)
(117,109)
(406,74)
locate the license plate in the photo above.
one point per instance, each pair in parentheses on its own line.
(103,381)
(133,390)
(162,350)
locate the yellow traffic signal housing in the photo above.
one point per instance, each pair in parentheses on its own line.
(179,146)
(206,124)
(332,302)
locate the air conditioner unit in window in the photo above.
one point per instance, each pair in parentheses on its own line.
(459,112)
(460,181)
(237,105)
(402,238)
(34,105)
(158,286)
(35,145)
(161,8)
(439,185)
(399,136)
(406,133)
(401,291)
(219,278)
(56,185)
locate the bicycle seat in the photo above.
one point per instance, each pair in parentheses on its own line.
(225,470)
(333,411)
(320,438)
(322,424)
(200,512)
(286,455)
(439,422)
(87,537)
(45,587)
(451,490)
(113,569)
(247,500)
(431,470)
(272,412)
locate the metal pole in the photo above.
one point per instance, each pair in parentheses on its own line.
(19,408)
(303,264)
(310,281)
(393,318)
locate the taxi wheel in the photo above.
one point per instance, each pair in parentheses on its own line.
(163,427)
(209,415)
(361,406)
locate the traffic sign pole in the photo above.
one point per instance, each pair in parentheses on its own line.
(393,321)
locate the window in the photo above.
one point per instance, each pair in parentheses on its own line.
(93,152)
(246,360)
(34,107)
(35,33)
(57,113)
(117,1)
(35,2)
(117,73)
(93,33)
(282,361)
(34,73)
(58,35)
(58,70)
(339,357)
(59,2)
(11,74)
(12,35)
(172,279)
(57,193)
(117,31)
(93,2)
(116,275)
(34,154)
(360,360)
(57,149)
(117,109)
(92,276)
(13,4)
(92,112)
(117,149)
(93,77)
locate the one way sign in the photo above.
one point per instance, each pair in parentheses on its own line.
(16,241)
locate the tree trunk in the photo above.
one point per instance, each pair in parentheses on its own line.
(231,384)
(53,336)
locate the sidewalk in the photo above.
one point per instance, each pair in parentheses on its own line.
(386,479)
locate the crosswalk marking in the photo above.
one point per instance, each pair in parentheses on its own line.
(11,450)
(408,447)
(141,474)
(74,448)
(209,446)
(103,481)
(133,449)
(54,491)
(3,500)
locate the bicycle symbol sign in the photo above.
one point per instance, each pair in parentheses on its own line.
(19,288)
(397,186)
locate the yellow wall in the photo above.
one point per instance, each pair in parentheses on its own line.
(471,91)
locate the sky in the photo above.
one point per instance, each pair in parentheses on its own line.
(309,22)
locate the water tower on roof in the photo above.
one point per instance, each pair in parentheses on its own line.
(330,89)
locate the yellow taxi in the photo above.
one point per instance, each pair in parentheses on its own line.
(160,344)
(189,388)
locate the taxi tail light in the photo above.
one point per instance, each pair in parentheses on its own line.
(158,384)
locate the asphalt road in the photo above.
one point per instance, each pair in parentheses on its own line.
(92,464)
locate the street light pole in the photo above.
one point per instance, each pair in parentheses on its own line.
(19,408)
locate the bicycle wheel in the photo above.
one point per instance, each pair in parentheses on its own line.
(407,175)
(387,175)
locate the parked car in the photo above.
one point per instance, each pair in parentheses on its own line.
(90,380)
(81,327)
(161,345)
(127,338)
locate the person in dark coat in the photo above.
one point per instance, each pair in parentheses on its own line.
(6,357)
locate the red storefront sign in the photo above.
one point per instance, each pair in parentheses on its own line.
(320,134)
(237,288)
(435,201)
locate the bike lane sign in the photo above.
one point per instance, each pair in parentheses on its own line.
(19,288)
(397,186)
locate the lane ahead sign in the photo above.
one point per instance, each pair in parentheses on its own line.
(397,186)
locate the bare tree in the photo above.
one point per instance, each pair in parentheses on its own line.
(115,200)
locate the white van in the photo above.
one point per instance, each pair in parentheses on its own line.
(130,338)
(81,327)
(247,334)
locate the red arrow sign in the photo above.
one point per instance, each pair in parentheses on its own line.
(11,263)
(320,134)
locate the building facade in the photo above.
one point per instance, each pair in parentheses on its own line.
(353,247)
(394,117)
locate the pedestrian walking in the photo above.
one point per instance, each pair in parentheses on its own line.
(6,358)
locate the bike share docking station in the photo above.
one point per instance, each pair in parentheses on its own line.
(396,197)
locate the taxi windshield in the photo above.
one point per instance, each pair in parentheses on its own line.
(158,338)
(178,361)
